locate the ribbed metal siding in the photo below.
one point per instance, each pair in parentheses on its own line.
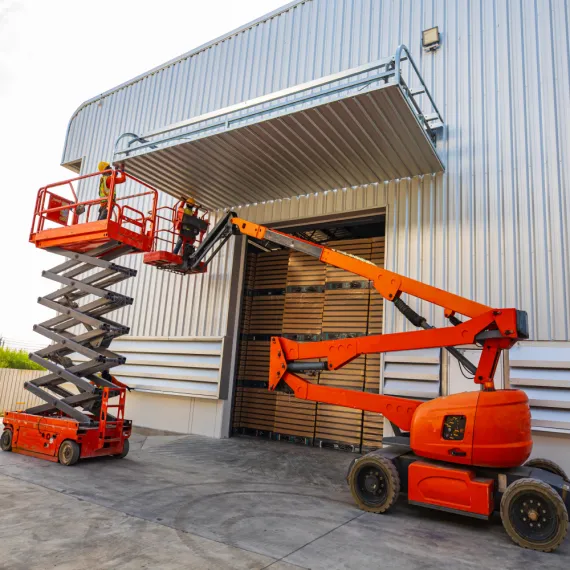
(492,228)
(170,305)
(13,395)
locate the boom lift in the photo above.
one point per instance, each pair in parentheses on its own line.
(83,414)
(464,453)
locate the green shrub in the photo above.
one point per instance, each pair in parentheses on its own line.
(10,358)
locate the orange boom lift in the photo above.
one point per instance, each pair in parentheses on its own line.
(463,453)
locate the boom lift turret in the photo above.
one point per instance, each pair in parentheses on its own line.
(464,453)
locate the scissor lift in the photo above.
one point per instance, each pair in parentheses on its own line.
(79,418)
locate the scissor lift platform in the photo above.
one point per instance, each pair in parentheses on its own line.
(85,237)
(83,410)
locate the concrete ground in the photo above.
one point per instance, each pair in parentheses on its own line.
(193,502)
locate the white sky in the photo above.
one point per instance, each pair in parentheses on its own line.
(52,54)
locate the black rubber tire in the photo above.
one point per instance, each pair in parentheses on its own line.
(374,483)
(6,440)
(69,452)
(125,451)
(547,465)
(518,497)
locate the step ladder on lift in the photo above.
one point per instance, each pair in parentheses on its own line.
(83,414)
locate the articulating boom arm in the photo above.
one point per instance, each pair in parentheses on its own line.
(495,329)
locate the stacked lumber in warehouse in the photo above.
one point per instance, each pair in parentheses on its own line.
(257,404)
(245,316)
(373,423)
(302,321)
(345,315)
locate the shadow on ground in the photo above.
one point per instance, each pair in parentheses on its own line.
(194,502)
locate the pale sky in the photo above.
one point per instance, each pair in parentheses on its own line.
(55,54)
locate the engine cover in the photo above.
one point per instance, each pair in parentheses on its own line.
(486,429)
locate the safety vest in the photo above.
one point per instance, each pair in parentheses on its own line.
(103,190)
(183,211)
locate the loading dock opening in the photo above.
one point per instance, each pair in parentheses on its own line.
(290,294)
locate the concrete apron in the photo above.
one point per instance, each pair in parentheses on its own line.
(196,502)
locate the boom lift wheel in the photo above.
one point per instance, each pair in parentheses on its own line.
(534,515)
(68,453)
(547,465)
(6,440)
(374,483)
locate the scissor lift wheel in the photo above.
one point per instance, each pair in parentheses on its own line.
(6,440)
(69,452)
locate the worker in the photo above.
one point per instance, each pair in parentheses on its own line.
(105,187)
(187,231)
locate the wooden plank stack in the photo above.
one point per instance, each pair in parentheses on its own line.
(302,321)
(345,315)
(296,296)
(249,277)
(372,423)
(256,404)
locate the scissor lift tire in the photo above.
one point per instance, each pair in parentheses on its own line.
(125,451)
(6,440)
(69,452)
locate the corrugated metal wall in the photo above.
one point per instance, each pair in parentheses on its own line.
(13,395)
(493,227)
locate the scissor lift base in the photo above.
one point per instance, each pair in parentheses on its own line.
(41,436)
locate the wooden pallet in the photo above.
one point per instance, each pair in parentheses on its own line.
(346,311)
(338,424)
(372,427)
(294,416)
(376,315)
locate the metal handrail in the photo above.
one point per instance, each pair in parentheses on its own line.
(398,77)
(386,69)
(43,212)
(170,226)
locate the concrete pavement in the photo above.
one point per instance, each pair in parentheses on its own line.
(193,502)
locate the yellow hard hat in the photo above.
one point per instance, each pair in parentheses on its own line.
(190,201)
(103,166)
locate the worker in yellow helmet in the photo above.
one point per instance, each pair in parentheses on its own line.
(105,187)
(186,209)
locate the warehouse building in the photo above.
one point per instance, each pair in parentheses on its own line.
(447,163)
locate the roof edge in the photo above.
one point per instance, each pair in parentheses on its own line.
(191,53)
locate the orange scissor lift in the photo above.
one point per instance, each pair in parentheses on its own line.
(83,409)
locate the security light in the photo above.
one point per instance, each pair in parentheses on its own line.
(430,39)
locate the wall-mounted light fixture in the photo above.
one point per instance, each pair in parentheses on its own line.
(431,39)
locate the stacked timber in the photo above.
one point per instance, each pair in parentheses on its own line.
(372,423)
(345,315)
(245,316)
(257,404)
(302,321)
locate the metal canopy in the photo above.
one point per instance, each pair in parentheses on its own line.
(357,127)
